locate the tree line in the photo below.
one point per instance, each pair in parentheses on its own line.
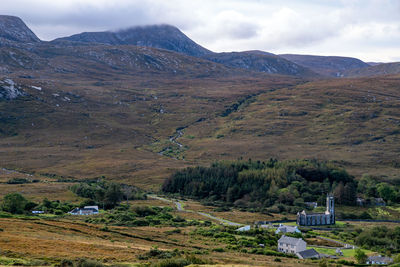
(273,185)
(106,194)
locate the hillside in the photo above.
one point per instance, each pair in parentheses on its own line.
(136,113)
(375,70)
(327,65)
(14,29)
(261,62)
(354,122)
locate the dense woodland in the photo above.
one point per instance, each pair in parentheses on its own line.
(274,186)
(106,194)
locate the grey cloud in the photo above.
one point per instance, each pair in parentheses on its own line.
(221,25)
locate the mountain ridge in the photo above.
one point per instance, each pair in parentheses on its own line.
(14,29)
(162,36)
(333,66)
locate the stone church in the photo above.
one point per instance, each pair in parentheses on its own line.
(326,218)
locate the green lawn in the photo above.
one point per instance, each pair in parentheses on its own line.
(347,253)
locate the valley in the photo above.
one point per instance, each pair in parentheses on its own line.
(179,146)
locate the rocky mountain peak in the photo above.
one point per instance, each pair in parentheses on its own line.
(14,29)
(158,36)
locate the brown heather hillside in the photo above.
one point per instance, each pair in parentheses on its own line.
(355,122)
(117,128)
(90,119)
(375,70)
(135,114)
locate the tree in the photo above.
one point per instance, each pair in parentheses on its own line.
(14,203)
(127,193)
(339,193)
(113,195)
(386,192)
(360,256)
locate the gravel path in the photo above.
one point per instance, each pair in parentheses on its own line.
(179,207)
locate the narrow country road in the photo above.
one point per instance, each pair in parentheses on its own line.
(179,207)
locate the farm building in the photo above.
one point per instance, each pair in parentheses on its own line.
(379,260)
(287,229)
(87,210)
(291,245)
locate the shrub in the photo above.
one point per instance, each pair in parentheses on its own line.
(66,263)
(14,203)
(178,262)
(88,263)
(18,181)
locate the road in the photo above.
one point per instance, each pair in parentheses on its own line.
(223,221)
(179,207)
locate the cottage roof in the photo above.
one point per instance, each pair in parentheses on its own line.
(308,254)
(380,259)
(287,228)
(290,240)
(92,207)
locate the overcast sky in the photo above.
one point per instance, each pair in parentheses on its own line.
(367,29)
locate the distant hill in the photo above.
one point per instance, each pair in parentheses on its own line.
(327,65)
(15,30)
(171,38)
(261,62)
(375,70)
(157,36)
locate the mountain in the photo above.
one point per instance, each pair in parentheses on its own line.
(85,109)
(157,36)
(15,30)
(375,70)
(326,65)
(261,62)
(170,38)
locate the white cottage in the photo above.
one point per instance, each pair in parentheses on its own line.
(379,260)
(287,229)
(291,245)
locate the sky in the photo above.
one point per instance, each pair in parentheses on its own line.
(366,29)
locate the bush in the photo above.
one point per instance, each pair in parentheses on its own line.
(143,211)
(88,263)
(178,262)
(66,263)
(18,181)
(14,203)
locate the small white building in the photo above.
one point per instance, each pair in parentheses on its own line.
(37,211)
(379,260)
(244,228)
(287,229)
(87,210)
(291,245)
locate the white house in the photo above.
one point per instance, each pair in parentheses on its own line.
(287,229)
(379,260)
(87,210)
(291,245)
(244,228)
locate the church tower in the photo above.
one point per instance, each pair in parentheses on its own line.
(330,208)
